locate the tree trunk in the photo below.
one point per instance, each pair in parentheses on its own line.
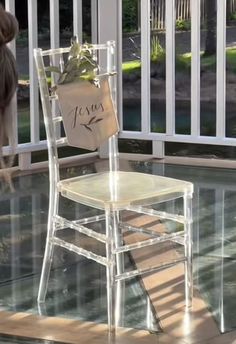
(210,44)
(228,11)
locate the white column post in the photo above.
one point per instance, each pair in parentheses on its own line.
(55,43)
(78,19)
(94,21)
(221,70)
(195,66)
(10,6)
(34,96)
(54,24)
(158,149)
(145,66)
(170,67)
(33,43)
(108,27)
(107,20)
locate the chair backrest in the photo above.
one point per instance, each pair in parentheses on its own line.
(47,61)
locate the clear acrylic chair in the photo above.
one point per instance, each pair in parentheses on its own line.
(113,192)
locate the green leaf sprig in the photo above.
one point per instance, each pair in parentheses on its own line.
(81,65)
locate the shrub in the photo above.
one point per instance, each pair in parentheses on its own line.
(157,51)
(130,15)
(183,63)
(183,25)
(232,16)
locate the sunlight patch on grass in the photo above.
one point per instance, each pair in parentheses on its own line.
(210,61)
(231,57)
(130,66)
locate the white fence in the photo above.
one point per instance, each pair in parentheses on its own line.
(170,135)
(107,24)
(182,11)
(24,150)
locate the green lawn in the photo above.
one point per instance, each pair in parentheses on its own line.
(231,58)
(210,61)
(131,66)
(183,62)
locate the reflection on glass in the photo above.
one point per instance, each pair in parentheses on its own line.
(214,222)
(77,286)
(23,217)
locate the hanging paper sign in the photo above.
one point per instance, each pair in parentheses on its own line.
(88,113)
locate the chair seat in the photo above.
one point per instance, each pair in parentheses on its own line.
(119,190)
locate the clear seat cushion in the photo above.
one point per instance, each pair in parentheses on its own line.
(119,190)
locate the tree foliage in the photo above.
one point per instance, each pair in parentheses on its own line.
(130,15)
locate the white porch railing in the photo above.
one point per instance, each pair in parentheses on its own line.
(170,134)
(24,150)
(107,24)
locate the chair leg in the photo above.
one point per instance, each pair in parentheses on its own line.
(120,267)
(48,254)
(118,241)
(188,251)
(110,270)
(47,262)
